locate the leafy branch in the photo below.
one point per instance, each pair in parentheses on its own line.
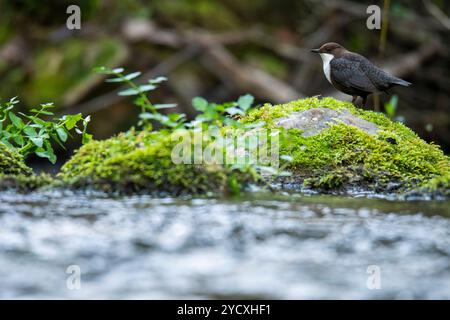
(211,114)
(221,114)
(30,134)
(149,111)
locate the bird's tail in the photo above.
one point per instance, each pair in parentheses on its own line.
(401,82)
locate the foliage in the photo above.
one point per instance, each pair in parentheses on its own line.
(149,111)
(28,134)
(210,114)
(219,115)
(391,106)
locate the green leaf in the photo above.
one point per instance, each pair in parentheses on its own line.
(200,104)
(115,80)
(86,138)
(153,116)
(30,131)
(176,116)
(133,75)
(48,113)
(157,80)
(245,102)
(86,120)
(49,150)
(391,106)
(165,106)
(14,100)
(71,120)
(15,120)
(37,141)
(101,69)
(62,134)
(41,152)
(47,105)
(233,110)
(129,92)
(147,87)
(18,139)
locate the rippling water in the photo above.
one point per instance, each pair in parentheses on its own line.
(262,246)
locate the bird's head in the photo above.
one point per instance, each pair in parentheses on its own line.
(331,48)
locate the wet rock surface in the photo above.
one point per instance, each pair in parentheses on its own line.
(312,121)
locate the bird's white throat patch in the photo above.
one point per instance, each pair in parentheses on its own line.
(326,58)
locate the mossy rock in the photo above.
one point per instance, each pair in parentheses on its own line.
(141,162)
(11,162)
(386,156)
(354,149)
(16,175)
(26,183)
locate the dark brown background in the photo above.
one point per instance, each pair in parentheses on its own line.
(219,50)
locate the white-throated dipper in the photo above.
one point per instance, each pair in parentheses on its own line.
(353,74)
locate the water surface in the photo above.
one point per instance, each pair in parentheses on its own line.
(257,246)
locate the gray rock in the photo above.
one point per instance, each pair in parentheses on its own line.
(312,121)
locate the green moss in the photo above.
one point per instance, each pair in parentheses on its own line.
(346,155)
(141,162)
(11,162)
(439,184)
(15,174)
(26,183)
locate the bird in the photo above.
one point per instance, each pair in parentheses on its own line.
(353,74)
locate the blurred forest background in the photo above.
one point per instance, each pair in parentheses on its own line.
(219,50)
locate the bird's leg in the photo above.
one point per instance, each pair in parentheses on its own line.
(354,99)
(364,101)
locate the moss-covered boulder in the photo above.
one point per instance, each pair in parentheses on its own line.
(136,162)
(11,162)
(352,148)
(16,175)
(332,146)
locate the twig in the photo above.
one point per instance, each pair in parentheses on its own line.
(223,64)
(219,60)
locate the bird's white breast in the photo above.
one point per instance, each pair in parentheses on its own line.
(326,58)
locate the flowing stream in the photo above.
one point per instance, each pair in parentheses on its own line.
(257,246)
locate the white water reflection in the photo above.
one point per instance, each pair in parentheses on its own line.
(264,247)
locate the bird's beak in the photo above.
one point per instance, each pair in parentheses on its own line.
(315,50)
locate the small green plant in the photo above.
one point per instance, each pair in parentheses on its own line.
(391,106)
(32,133)
(225,114)
(149,111)
(211,114)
